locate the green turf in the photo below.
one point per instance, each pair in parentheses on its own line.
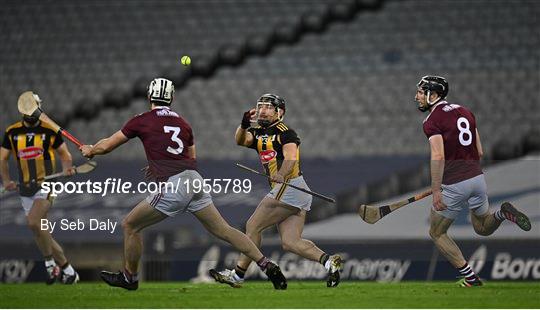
(262,295)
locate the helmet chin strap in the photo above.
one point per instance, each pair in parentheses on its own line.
(430,104)
(428,94)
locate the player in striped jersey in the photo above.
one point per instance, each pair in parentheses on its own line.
(34,145)
(278,148)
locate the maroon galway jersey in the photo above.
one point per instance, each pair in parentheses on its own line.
(166,137)
(457,126)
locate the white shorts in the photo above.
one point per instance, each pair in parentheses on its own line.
(28,202)
(185,199)
(292,196)
(470,194)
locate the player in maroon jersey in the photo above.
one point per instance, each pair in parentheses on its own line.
(170,150)
(457,180)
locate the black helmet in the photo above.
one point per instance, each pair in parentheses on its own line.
(436,84)
(276,101)
(432,83)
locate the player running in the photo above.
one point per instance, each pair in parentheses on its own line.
(170,150)
(278,148)
(34,145)
(457,180)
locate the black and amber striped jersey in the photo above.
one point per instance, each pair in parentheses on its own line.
(33,148)
(269,141)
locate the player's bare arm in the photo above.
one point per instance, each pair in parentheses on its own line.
(104,146)
(65,159)
(191,152)
(4,170)
(289,154)
(437,169)
(479,144)
(242,136)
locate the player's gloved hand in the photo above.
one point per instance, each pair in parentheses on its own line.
(438,203)
(246,119)
(278,178)
(86,151)
(10,186)
(69,171)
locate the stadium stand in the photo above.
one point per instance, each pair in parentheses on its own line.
(70,51)
(359,74)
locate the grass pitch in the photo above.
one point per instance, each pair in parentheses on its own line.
(312,294)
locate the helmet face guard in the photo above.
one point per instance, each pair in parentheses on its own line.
(32,120)
(161,91)
(267,122)
(429,84)
(276,102)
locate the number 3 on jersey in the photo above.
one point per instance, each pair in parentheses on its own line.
(464,131)
(175,138)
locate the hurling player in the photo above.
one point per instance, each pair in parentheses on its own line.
(457,180)
(170,149)
(35,144)
(278,149)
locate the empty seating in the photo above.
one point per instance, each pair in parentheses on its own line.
(349,90)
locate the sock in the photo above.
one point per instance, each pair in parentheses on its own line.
(324,258)
(68,269)
(263,262)
(240,272)
(50,265)
(131,277)
(499,215)
(49,262)
(467,272)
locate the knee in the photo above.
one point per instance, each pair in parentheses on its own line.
(252,228)
(127,226)
(435,234)
(34,225)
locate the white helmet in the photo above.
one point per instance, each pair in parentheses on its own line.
(38,100)
(161,90)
